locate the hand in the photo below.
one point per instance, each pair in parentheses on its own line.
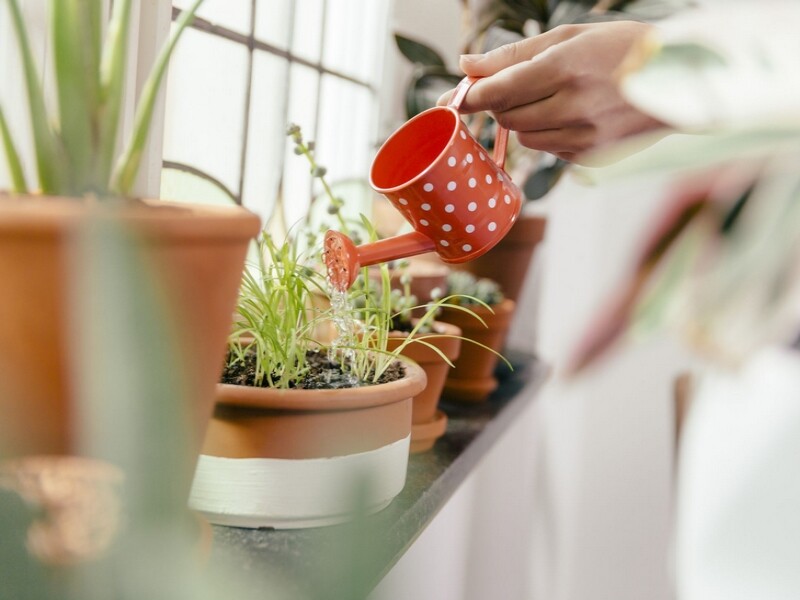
(559,90)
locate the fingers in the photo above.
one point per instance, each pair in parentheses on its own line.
(517,85)
(483,65)
(507,83)
(565,143)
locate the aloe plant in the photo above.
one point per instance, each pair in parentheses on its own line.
(76,145)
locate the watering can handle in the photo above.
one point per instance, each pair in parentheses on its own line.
(501,141)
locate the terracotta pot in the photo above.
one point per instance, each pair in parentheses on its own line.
(513,253)
(199,252)
(428,423)
(303,458)
(472,380)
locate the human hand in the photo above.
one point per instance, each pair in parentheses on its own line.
(559,90)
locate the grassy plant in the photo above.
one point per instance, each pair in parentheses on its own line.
(378,309)
(274,318)
(76,145)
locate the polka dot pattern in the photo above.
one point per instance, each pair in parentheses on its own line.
(468,201)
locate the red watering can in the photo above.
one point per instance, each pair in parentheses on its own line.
(459,201)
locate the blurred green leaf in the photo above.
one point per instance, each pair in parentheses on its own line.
(50,161)
(20,186)
(76,86)
(417,52)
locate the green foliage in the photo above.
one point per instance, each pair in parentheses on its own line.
(417,52)
(469,290)
(76,146)
(274,315)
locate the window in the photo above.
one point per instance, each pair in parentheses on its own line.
(247,68)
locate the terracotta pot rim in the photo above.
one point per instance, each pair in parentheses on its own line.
(49,214)
(330,400)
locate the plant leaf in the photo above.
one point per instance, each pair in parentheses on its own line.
(50,161)
(128,165)
(417,52)
(20,186)
(71,48)
(112,76)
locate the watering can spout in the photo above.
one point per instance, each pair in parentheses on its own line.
(343,258)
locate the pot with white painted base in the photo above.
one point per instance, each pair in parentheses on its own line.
(304,458)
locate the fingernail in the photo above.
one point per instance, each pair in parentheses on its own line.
(471,58)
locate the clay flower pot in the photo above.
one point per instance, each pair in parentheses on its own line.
(513,252)
(472,380)
(200,253)
(429,423)
(302,458)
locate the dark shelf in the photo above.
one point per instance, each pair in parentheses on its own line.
(348,561)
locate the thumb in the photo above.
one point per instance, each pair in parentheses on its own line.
(482,65)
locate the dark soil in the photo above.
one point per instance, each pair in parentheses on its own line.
(323,374)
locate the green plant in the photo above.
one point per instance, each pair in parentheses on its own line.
(379,312)
(76,146)
(467,289)
(275,320)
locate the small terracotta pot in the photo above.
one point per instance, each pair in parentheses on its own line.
(513,253)
(199,252)
(303,458)
(472,380)
(428,423)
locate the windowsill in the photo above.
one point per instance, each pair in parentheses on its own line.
(350,560)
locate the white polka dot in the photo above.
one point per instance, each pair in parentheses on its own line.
(424,222)
(447,227)
(492,202)
(499,177)
(468,158)
(449,208)
(472,182)
(466,247)
(488,179)
(492,226)
(403,201)
(428,187)
(451,161)
(444,242)
(463,135)
(425,206)
(470,228)
(507,199)
(481,155)
(451,186)
(472,206)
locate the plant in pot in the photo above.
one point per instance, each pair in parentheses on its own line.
(303,434)
(473,378)
(439,345)
(193,255)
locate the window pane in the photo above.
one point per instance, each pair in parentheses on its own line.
(274,22)
(266,138)
(205,103)
(307,36)
(355,34)
(303,88)
(232,14)
(345,128)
